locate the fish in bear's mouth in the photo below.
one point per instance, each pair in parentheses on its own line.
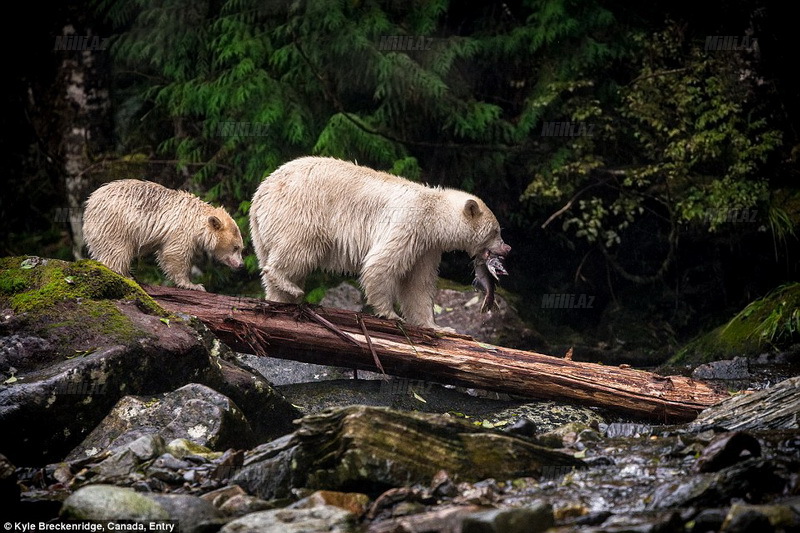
(488,267)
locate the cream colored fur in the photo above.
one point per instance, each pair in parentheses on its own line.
(125,219)
(325,213)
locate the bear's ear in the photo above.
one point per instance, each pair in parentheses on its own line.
(215,223)
(472,209)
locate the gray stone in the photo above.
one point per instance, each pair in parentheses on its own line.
(107,502)
(530,519)
(322,518)
(194,411)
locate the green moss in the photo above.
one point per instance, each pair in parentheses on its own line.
(75,304)
(770,322)
(32,285)
(13,283)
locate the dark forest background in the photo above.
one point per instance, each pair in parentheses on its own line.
(672,203)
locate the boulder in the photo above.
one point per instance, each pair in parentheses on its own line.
(75,338)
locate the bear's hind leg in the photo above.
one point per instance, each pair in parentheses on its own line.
(117,257)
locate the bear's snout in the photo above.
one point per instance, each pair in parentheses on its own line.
(234,262)
(502,250)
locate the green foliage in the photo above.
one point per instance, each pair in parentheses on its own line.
(319,78)
(232,89)
(686,139)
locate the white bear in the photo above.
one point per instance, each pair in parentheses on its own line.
(324,213)
(129,218)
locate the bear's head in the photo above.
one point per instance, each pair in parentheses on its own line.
(484,230)
(226,240)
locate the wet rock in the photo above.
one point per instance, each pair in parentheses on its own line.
(105,339)
(751,476)
(662,522)
(708,520)
(442,486)
(353,502)
(446,519)
(784,516)
(219,496)
(107,502)
(181,448)
(191,513)
(270,415)
(193,411)
(529,519)
(777,407)
(524,427)
(728,449)
(343,296)
(626,429)
(9,490)
(356,447)
(460,310)
(736,368)
(322,518)
(748,521)
(243,504)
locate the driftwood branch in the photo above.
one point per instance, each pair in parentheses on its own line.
(354,340)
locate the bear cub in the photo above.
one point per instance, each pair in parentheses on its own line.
(125,219)
(318,212)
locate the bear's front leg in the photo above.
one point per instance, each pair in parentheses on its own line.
(379,279)
(175,260)
(417,290)
(278,287)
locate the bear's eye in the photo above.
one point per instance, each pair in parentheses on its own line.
(236,248)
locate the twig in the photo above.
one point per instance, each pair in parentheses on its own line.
(304,309)
(371,348)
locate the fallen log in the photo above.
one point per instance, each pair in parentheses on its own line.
(344,338)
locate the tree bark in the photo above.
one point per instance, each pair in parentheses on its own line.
(83,104)
(345,338)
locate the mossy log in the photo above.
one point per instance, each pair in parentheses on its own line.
(344,338)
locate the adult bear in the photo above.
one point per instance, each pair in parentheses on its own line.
(318,212)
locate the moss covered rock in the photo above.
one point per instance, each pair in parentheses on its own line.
(76,337)
(769,323)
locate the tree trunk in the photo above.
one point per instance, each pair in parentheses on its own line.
(83,104)
(345,338)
